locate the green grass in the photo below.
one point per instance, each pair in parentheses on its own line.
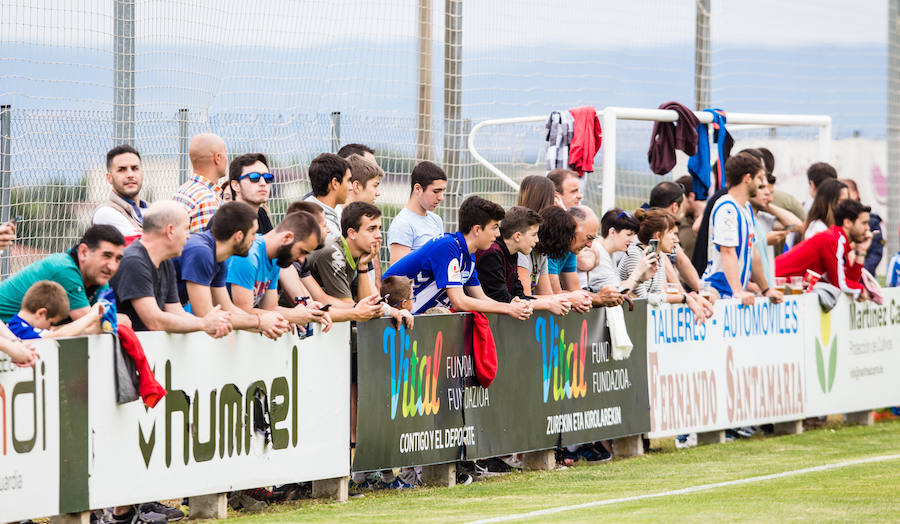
(859,492)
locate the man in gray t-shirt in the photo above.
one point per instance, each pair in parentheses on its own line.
(417,223)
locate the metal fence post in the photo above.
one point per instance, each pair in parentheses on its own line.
(702,56)
(335,131)
(423,123)
(893,129)
(184,165)
(5,175)
(123,93)
(453,132)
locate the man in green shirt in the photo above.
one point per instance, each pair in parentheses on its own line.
(83,272)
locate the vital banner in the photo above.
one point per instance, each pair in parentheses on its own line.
(557,383)
(853,355)
(742,367)
(240,412)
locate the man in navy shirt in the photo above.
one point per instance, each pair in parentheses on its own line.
(444,266)
(202,269)
(253,280)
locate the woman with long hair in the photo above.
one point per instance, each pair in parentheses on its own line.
(536,193)
(821,214)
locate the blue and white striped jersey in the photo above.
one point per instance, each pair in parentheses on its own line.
(892,276)
(442,262)
(731,225)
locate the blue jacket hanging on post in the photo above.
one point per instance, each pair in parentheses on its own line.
(699,166)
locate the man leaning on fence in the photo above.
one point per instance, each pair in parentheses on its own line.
(123,209)
(202,269)
(200,194)
(146,284)
(84,271)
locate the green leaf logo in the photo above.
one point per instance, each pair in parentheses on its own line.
(826,383)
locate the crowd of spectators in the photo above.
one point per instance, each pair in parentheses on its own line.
(212,260)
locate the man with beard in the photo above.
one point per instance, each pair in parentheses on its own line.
(253,280)
(733,259)
(202,269)
(829,253)
(123,210)
(250,182)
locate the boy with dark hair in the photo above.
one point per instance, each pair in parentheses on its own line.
(733,259)
(497,265)
(444,269)
(46,305)
(417,223)
(329,177)
(123,209)
(202,269)
(357,149)
(250,181)
(831,253)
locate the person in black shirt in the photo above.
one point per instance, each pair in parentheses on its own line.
(146,282)
(497,266)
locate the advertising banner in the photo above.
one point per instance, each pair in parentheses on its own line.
(743,367)
(30,431)
(240,412)
(853,356)
(556,383)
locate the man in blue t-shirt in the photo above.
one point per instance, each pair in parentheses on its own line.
(445,266)
(253,280)
(417,223)
(733,261)
(202,270)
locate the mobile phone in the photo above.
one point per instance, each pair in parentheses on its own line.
(383,299)
(654,246)
(326,307)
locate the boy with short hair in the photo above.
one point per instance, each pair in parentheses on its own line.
(397,291)
(417,223)
(46,304)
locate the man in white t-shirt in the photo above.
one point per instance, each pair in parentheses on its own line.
(417,223)
(123,209)
(732,258)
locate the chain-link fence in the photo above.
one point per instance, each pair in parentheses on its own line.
(410,78)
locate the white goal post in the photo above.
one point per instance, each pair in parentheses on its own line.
(610,115)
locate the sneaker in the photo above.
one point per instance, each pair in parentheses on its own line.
(463,478)
(686,441)
(396,484)
(745,432)
(731,435)
(132,517)
(512,462)
(494,465)
(239,500)
(591,453)
(171,514)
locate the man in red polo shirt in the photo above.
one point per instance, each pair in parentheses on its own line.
(837,254)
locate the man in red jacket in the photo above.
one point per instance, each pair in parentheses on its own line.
(837,254)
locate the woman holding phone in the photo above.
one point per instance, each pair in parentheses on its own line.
(595,265)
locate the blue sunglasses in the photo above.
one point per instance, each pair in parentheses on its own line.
(254,177)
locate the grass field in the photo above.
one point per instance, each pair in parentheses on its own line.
(863,492)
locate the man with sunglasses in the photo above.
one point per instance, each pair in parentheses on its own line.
(250,182)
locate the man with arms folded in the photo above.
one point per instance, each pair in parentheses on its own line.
(146,284)
(417,223)
(123,210)
(497,265)
(202,269)
(733,258)
(831,253)
(253,280)
(84,271)
(298,281)
(443,270)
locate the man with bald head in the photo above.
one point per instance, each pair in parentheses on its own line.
(146,283)
(200,195)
